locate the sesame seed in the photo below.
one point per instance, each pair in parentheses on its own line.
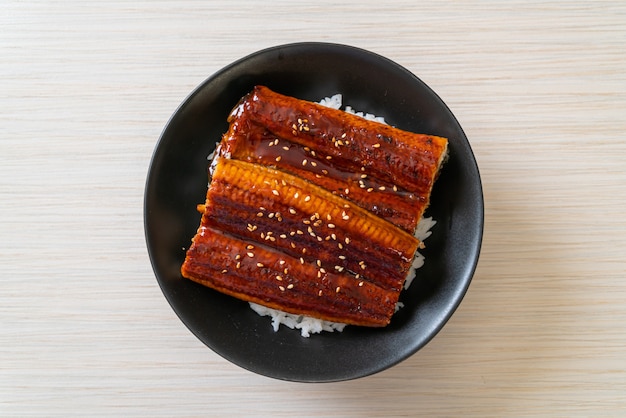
(299,232)
(363,176)
(313,163)
(307,198)
(323,270)
(259,264)
(286,148)
(360,284)
(319,293)
(279,278)
(300,121)
(271,215)
(278,158)
(282,288)
(381,188)
(319,263)
(337,289)
(325,172)
(262,235)
(301,260)
(331,225)
(294,126)
(292,233)
(238,257)
(249,247)
(306,222)
(376,145)
(224,271)
(339,268)
(370,189)
(275,192)
(319,274)
(293,244)
(238,264)
(260,214)
(290,286)
(250,255)
(313,153)
(395,188)
(304,161)
(295,195)
(305,128)
(329,157)
(342,257)
(281,262)
(347,191)
(340,245)
(292,211)
(285,270)
(344,135)
(347,240)
(283,236)
(333,236)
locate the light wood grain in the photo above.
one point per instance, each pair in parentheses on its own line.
(87,87)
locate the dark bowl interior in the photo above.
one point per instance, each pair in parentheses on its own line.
(177,181)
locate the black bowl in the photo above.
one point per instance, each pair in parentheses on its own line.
(177,181)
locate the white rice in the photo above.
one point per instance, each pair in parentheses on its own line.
(308,325)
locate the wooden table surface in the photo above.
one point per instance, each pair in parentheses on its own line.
(85,91)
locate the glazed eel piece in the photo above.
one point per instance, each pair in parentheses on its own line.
(388,171)
(275,239)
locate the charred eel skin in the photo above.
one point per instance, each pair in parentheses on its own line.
(276,239)
(388,171)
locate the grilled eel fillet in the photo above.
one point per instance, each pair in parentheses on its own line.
(388,171)
(310,212)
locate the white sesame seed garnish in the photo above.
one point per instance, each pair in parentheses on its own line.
(331,225)
(344,135)
(342,257)
(260,214)
(304,161)
(238,264)
(286,148)
(282,288)
(376,145)
(224,271)
(275,192)
(281,262)
(292,211)
(259,264)
(250,254)
(347,240)
(278,158)
(381,188)
(283,236)
(360,284)
(329,157)
(395,188)
(290,286)
(249,247)
(322,270)
(238,257)
(339,268)
(319,263)
(279,278)
(301,260)
(340,245)
(299,232)
(292,244)
(319,293)
(333,236)
(307,198)
(337,289)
